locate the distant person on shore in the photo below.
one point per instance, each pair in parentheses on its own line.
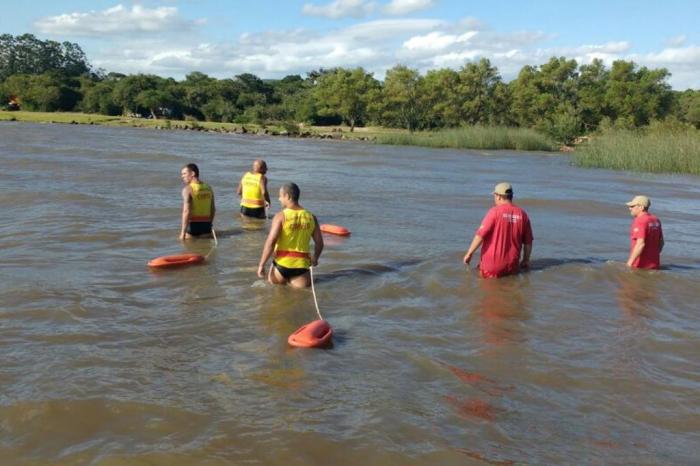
(198,206)
(646,236)
(289,238)
(252,189)
(504,232)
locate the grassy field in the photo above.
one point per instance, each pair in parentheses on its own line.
(368,133)
(465,138)
(96,119)
(657,150)
(474,137)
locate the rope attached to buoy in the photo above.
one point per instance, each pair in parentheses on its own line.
(216,243)
(313,291)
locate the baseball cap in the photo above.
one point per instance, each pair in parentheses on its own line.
(642,201)
(503,189)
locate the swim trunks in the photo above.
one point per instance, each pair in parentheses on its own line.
(199,228)
(287,272)
(255,212)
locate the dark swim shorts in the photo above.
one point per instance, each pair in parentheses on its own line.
(199,228)
(287,272)
(255,212)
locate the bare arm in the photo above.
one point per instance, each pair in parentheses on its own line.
(476,244)
(265,192)
(239,189)
(269,246)
(213,208)
(636,251)
(318,243)
(186,210)
(527,250)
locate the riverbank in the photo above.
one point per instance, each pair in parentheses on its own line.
(477,137)
(290,129)
(474,137)
(660,148)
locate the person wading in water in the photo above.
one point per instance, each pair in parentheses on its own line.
(252,189)
(198,206)
(289,238)
(504,231)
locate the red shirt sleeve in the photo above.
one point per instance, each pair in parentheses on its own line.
(639,228)
(487,223)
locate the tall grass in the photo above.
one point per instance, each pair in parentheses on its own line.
(658,148)
(473,137)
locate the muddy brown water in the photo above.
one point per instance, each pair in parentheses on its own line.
(105,362)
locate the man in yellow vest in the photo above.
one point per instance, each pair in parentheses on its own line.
(289,238)
(198,206)
(252,190)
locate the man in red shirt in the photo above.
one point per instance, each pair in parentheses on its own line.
(646,235)
(504,231)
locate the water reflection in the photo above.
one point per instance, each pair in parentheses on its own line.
(334,241)
(637,294)
(501,307)
(252,224)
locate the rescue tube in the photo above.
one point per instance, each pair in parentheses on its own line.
(335,230)
(176,260)
(316,334)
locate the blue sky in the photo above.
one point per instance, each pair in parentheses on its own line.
(274,38)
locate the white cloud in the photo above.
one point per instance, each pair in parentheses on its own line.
(116,20)
(674,56)
(340,9)
(382,30)
(682,62)
(676,41)
(422,44)
(403,7)
(437,40)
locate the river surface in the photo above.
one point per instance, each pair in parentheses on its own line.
(105,362)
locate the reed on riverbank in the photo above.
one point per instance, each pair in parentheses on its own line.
(474,137)
(660,148)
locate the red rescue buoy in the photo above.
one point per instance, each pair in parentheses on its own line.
(335,229)
(176,260)
(316,334)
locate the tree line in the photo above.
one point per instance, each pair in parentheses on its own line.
(560,98)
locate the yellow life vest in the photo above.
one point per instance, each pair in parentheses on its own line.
(202,197)
(252,196)
(292,248)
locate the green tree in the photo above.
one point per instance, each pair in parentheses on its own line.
(500,105)
(99,98)
(47,92)
(638,95)
(443,108)
(127,90)
(592,83)
(25,54)
(400,102)
(689,107)
(538,93)
(345,93)
(253,91)
(475,90)
(155,100)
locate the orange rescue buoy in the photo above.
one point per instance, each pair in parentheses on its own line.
(316,334)
(335,229)
(176,260)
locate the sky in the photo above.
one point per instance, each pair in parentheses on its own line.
(275,38)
